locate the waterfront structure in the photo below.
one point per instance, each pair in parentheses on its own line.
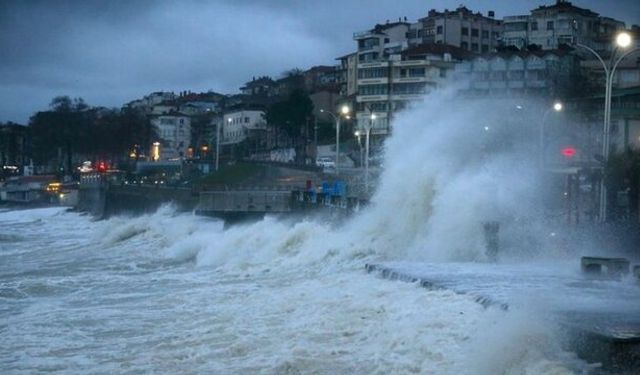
(461,27)
(174,130)
(550,27)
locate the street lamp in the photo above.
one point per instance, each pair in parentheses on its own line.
(218,142)
(623,40)
(344,111)
(358,135)
(367,128)
(557,107)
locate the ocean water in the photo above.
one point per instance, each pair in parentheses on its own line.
(172,292)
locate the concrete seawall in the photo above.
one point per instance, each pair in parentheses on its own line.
(144,199)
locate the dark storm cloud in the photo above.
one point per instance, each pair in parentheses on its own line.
(110,52)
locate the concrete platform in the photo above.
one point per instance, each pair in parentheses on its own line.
(601,315)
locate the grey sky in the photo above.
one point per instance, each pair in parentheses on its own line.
(111,52)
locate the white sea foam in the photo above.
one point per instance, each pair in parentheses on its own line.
(175,293)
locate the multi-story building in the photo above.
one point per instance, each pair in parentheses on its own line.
(174,130)
(385,87)
(551,26)
(461,28)
(348,74)
(239,125)
(513,74)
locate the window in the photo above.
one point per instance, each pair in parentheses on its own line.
(474,32)
(373,90)
(485,33)
(439,30)
(534,25)
(465,31)
(549,25)
(443,73)
(416,72)
(485,48)
(474,47)
(372,73)
(464,45)
(246,120)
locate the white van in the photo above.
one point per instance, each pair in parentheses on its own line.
(325,162)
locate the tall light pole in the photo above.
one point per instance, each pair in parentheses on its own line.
(367,128)
(623,40)
(557,107)
(344,111)
(358,135)
(218,142)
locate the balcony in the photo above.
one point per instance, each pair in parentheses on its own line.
(372,81)
(409,79)
(403,97)
(373,64)
(411,63)
(364,34)
(371,98)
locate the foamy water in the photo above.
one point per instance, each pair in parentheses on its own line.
(176,293)
(135,296)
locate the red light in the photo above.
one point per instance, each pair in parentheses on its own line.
(102,167)
(569,152)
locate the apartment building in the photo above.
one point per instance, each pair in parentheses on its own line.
(513,74)
(389,86)
(461,28)
(551,26)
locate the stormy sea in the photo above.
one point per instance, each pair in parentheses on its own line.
(175,293)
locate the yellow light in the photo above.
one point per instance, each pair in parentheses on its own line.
(345,109)
(205,148)
(155,152)
(623,39)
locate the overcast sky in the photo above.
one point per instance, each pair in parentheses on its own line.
(111,52)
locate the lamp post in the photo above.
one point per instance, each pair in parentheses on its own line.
(344,111)
(218,142)
(358,135)
(557,107)
(367,129)
(623,40)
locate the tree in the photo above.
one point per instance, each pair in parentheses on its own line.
(291,115)
(623,174)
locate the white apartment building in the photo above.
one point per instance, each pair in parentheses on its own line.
(561,23)
(389,86)
(461,28)
(174,131)
(238,125)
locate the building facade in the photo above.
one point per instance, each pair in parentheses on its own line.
(515,74)
(385,87)
(239,125)
(174,131)
(550,27)
(461,28)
